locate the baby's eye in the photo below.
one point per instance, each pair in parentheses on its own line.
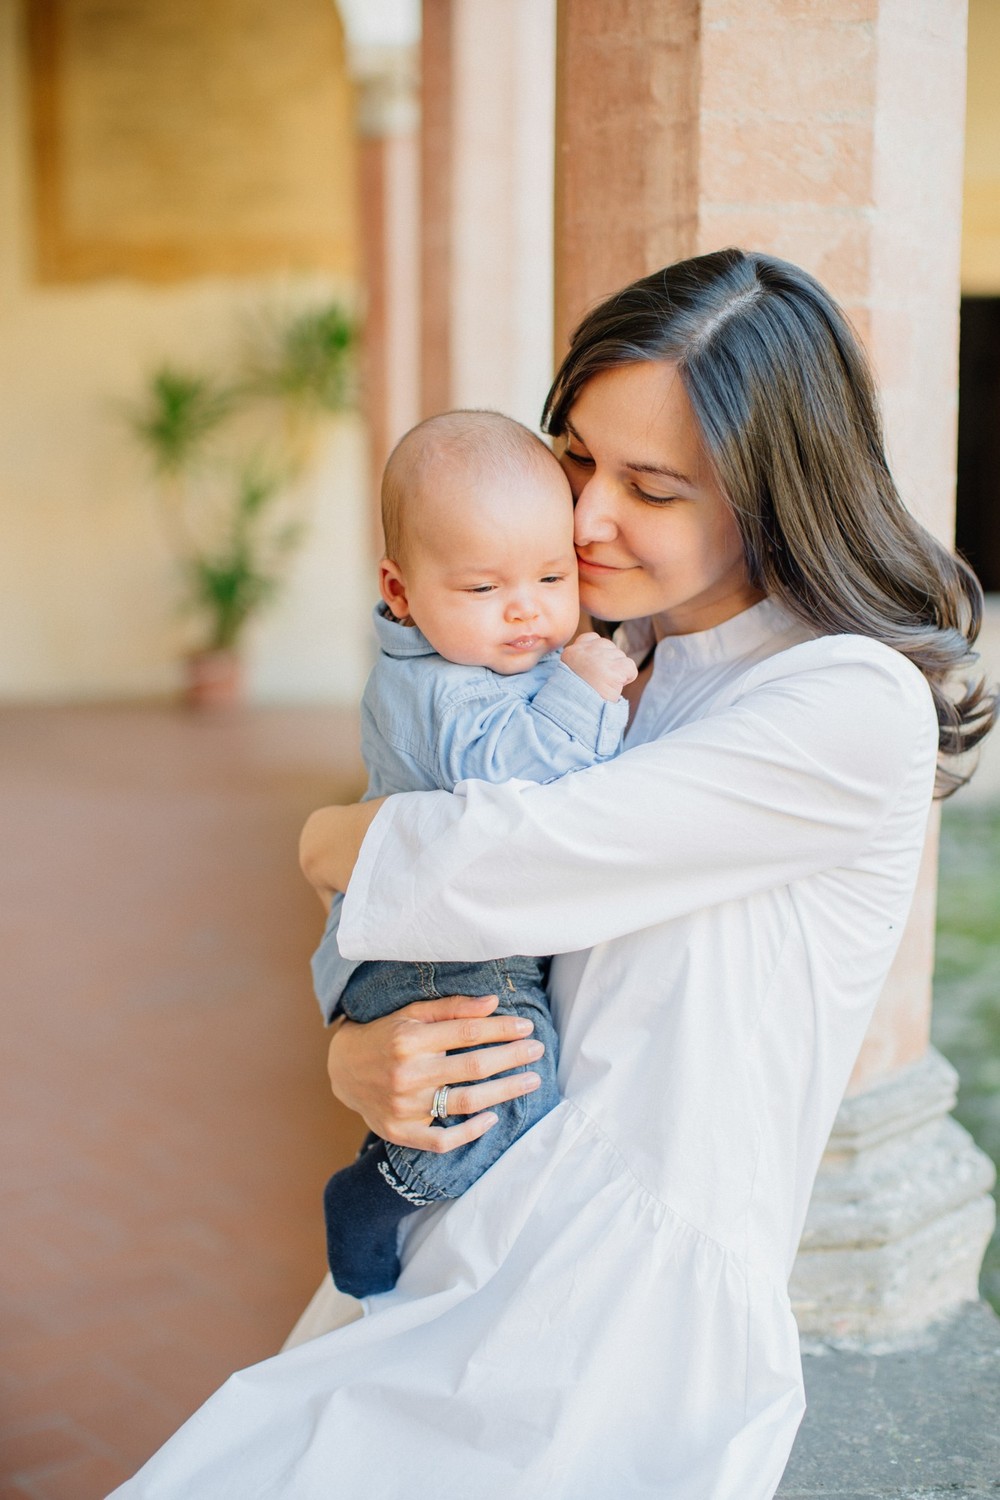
(481,588)
(554,578)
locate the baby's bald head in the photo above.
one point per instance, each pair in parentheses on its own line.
(452,453)
(478,521)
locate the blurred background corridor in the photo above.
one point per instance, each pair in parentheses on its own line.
(234,268)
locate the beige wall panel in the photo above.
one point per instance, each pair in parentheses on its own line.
(177,137)
(916,250)
(981,221)
(87,587)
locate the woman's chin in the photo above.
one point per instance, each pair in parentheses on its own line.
(608,613)
(595,603)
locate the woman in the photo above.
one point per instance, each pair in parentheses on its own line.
(605,1313)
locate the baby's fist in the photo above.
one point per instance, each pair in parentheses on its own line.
(600,663)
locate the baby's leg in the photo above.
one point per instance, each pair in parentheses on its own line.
(364,1206)
(519,983)
(367,1201)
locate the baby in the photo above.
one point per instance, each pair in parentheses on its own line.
(474,680)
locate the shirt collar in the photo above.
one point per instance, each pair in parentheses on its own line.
(739,636)
(396,639)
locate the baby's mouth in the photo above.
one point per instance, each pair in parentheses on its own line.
(525,642)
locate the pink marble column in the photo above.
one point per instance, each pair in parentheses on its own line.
(437,203)
(388,163)
(487,97)
(627,140)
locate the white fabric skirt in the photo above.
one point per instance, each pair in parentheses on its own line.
(557,1333)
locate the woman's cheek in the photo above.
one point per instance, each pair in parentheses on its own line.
(591,602)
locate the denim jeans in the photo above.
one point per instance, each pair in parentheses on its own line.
(378,989)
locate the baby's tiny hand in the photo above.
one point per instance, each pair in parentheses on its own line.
(600,663)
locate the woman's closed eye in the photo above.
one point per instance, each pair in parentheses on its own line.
(652,499)
(584,461)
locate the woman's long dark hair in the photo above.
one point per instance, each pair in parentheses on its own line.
(789,416)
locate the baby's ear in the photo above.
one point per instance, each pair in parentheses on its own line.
(392,587)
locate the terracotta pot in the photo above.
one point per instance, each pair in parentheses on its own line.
(214,679)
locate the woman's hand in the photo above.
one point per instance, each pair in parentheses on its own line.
(387,1070)
(331,842)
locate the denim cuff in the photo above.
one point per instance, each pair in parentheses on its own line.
(579,709)
(331,971)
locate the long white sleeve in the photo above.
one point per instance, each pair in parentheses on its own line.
(791,778)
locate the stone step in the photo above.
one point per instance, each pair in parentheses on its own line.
(921,1423)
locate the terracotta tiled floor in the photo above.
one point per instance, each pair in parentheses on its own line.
(166,1127)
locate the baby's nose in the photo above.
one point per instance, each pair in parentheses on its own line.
(522,608)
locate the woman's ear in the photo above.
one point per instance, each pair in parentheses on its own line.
(392,587)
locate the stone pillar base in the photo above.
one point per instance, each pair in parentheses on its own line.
(899,1218)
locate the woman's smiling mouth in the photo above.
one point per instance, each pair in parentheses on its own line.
(586,565)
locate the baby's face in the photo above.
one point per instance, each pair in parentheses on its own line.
(490,576)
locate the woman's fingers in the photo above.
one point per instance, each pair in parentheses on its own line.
(470,1099)
(457,1022)
(486,1062)
(450,1036)
(387,1070)
(449,1007)
(431,1138)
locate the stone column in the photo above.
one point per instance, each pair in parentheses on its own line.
(811,132)
(385,71)
(486,167)
(627,139)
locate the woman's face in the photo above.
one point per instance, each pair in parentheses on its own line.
(654,535)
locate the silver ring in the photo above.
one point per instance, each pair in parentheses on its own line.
(439,1104)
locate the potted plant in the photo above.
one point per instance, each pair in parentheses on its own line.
(224,456)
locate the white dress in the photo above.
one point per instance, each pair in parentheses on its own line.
(604,1316)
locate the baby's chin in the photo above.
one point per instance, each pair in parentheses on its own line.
(516,668)
(513,663)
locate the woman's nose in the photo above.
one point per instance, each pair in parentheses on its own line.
(593,518)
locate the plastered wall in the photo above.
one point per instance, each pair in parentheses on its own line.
(88,598)
(981,216)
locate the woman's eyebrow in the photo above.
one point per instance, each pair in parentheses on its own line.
(663,471)
(640,468)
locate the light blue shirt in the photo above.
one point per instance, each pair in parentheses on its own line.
(427,724)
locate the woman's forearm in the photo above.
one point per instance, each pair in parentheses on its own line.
(331,842)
